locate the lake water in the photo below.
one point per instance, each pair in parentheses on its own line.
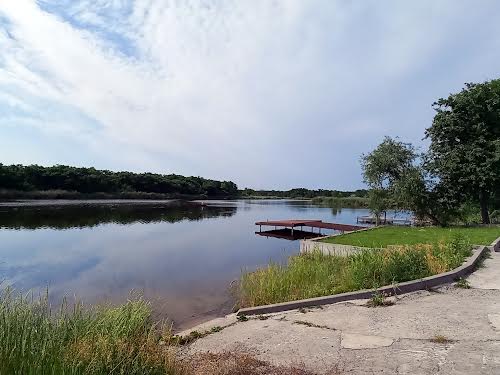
(181,257)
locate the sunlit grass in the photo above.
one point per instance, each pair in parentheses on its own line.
(316,274)
(394,235)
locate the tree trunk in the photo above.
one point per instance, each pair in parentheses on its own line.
(484,197)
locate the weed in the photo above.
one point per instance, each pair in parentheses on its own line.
(379,299)
(440,339)
(481,260)
(309,324)
(242,318)
(462,283)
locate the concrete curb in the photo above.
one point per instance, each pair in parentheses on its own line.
(495,245)
(402,288)
(317,243)
(341,234)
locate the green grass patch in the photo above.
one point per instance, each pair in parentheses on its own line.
(315,274)
(393,235)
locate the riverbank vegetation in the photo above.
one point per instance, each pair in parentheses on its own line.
(342,202)
(394,235)
(460,170)
(315,274)
(60,181)
(34,339)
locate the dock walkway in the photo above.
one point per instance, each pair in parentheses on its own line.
(308,223)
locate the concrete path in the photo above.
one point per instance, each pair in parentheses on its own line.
(487,277)
(446,331)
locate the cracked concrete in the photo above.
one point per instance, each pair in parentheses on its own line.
(383,340)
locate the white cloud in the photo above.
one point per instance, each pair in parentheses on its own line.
(247,90)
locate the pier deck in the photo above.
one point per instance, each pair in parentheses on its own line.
(309,223)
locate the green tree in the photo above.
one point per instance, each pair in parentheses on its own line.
(464,152)
(397,178)
(383,169)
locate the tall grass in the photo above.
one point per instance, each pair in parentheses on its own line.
(34,339)
(316,274)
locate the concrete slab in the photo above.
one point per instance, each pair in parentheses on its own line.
(384,340)
(207,326)
(494,321)
(487,277)
(356,341)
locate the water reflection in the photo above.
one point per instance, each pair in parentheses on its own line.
(88,216)
(287,234)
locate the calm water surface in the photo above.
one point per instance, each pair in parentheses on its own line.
(182,257)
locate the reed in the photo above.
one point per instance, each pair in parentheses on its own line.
(315,274)
(35,339)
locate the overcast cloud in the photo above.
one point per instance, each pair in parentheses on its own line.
(269,94)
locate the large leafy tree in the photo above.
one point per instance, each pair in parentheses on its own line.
(464,152)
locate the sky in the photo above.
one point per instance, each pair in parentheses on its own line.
(268,94)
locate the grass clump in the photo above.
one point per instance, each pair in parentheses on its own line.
(315,274)
(393,235)
(462,283)
(440,339)
(34,339)
(378,300)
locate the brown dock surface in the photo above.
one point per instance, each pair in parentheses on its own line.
(310,223)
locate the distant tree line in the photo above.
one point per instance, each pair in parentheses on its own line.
(90,180)
(303,193)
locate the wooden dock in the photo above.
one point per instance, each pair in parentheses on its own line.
(308,223)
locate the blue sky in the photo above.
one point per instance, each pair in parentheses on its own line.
(269,94)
